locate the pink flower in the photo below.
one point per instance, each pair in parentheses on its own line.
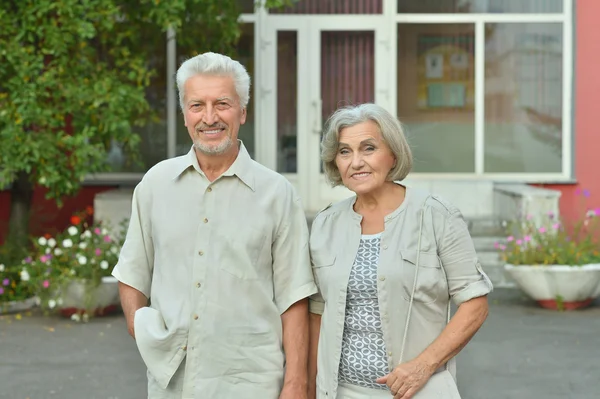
(46,283)
(527,238)
(519,242)
(98,252)
(556,226)
(510,238)
(97,231)
(542,230)
(5,282)
(503,247)
(106,238)
(1,290)
(496,245)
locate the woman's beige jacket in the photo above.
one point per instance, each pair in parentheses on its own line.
(449,269)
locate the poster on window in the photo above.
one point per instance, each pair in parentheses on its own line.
(434,66)
(445,71)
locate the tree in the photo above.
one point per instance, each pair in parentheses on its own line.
(73,75)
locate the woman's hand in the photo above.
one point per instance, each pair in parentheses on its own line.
(407,378)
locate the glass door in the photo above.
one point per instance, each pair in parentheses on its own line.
(346,68)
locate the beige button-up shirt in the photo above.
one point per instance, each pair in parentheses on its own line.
(446,247)
(220,263)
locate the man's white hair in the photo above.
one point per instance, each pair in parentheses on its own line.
(215,64)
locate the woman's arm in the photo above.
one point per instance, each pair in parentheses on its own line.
(408,378)
(469,317)
(314,328)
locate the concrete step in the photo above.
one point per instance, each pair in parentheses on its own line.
(493,266)
(486,227)
(486,243)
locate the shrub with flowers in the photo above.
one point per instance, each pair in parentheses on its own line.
(551,241)
(12,291)
(84,252)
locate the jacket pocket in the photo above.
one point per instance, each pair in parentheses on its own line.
(430,280)
(321,258)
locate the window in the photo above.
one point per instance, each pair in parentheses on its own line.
(485,94)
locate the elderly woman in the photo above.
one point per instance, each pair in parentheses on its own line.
(387,263)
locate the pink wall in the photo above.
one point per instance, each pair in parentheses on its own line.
(586,99)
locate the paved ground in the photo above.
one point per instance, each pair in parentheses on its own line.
(521,352)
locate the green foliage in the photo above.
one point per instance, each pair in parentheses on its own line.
(73,75)
(11,287)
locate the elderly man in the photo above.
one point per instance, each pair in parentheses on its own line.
(219,245)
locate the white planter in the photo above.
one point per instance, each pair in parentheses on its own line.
(558,286)
(20,306)
(104,299)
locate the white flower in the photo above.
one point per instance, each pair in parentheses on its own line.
(42,180)
(67,243)
(104,265)
(82,260)
(73,272)
(58,252)
(51,303)
(114,250)
(59,301)
(82,245)
(85,317)
(42,241)
(104,232)
(72,230)
(48,250)
(2,267)
(87,234)
(24,275)
(75,317)
(52,242)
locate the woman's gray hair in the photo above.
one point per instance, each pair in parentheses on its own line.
(391,131)
(214,64)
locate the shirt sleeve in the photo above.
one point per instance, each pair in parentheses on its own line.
(466,278)
(136,260)
(292,274)
(316,302)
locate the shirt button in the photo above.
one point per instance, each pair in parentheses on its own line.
(389,353)
(385,247)
(198,285)
(200,253)
(195,317)
(382,278)
(209,189)
(205,220)
(184,348)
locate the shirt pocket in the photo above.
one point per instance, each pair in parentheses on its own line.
(430,279)
(240,252)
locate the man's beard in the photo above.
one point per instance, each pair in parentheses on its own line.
(218,149)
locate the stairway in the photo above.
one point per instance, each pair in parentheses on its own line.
(486,231)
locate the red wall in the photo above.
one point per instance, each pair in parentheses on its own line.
(586,112)
(46,217)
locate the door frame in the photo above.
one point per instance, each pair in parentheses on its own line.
(308,181)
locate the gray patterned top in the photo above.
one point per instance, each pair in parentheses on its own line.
(363,357)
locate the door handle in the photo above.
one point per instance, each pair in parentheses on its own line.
(318,119)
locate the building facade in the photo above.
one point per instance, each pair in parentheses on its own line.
(489,91)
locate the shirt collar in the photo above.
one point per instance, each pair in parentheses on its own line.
(242,166)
